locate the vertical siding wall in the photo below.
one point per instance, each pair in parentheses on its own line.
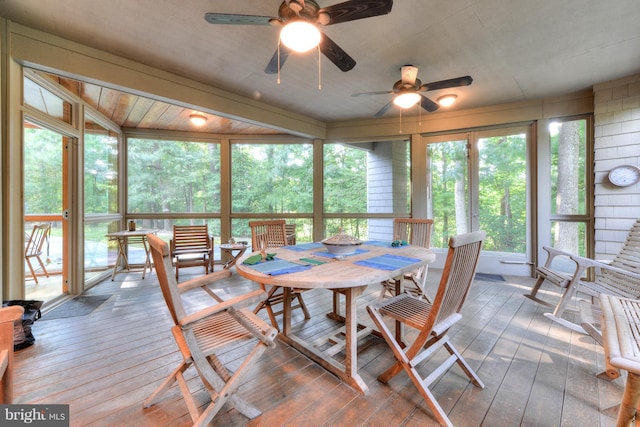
(387,177)
(617,142)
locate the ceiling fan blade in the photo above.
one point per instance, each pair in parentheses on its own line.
(272,66)
(428,104)
(331,50)
(382,92)
(356,9)
(445,84)
(384,109)
(233,19)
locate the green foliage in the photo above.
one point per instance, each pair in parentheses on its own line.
(42,171)
(173,176)
(447,166)
(100,173)
(345,179)
(501,200)
(502,195)
(272,178)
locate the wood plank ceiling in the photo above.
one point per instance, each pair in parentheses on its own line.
(137,112)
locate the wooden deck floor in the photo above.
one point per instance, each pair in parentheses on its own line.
(105,364)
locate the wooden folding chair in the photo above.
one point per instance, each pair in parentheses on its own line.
(192,246)
(272,234)
(35,246)
(432,321)
(291,233)
(415,231)
(203,334)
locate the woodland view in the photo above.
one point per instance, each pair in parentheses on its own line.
(271,179)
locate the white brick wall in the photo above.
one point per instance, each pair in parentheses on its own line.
(617,142)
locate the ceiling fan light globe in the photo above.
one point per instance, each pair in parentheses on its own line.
(407,99)
(300,36)
(447,100)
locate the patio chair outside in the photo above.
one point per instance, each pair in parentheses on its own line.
(35,247)
(272,234)
(432,320)
(415,231)
(202,335)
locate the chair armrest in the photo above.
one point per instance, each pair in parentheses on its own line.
(255,325)
(11,313)
(247,299)
(4,361)
(561,278)
(199,282)
(584,263)
(553,252)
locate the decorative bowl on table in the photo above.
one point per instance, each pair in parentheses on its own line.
(341,244)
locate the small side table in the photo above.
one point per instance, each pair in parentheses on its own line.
(125,237)
(229,249)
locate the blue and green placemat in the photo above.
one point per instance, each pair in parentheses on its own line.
(388,262)
(304,246)
(279,266)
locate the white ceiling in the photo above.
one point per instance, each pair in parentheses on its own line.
(514,49)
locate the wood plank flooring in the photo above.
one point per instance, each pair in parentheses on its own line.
(104,364)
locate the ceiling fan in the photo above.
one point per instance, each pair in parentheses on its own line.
(407,90)
(307,14)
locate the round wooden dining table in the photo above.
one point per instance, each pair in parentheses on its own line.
(310,266)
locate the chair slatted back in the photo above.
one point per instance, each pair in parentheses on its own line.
(190,239)
(38,238)
(204,334)
(290,229)
(628,259)
(457,276)
(168,284)
(416,231)
(433,321)
(268,234)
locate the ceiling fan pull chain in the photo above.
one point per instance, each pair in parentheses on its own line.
(278,78)
(400,131)
(419,115)
(319,69)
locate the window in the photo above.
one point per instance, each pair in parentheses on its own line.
(100,169)
(272,181)
(101,208)
(272,178)
(365,186)
(41,99)
(172,176)
(569,184)
(173,182)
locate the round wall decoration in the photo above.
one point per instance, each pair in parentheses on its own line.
(624,175)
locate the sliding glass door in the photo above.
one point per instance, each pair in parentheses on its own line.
(478,180)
